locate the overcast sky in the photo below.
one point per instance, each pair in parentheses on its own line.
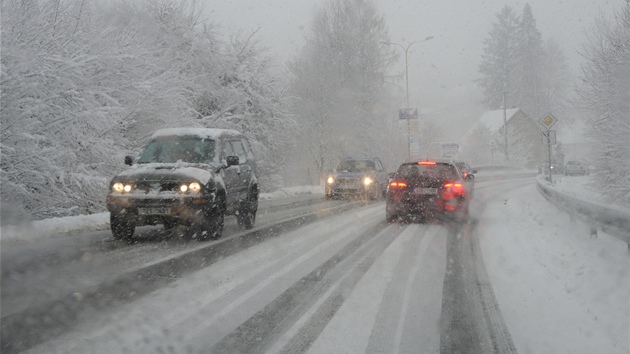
(442,70)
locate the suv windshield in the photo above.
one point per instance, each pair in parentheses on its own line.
(355,166)
(179,148)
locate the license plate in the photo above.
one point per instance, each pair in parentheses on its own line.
(425,191)
(154,211)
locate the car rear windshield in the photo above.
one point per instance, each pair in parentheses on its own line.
(355,166)
(172,149)
(437,171)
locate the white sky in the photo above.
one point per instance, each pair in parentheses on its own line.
(442,70)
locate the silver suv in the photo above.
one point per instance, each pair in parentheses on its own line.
(364,177)
(186,176)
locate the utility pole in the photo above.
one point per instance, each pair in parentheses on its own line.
(406,51)
(505,127)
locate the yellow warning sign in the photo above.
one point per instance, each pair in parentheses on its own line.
(547,121)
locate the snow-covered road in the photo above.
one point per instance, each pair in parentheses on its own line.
(520,271)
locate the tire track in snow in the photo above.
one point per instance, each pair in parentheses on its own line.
(388,330)
(471,318)
(330,281)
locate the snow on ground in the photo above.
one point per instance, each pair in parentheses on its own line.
(33,230)
(292,191)
(560,290)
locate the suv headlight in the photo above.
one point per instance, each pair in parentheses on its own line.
(120,187)
(192,188)
(330,180)
(367,181)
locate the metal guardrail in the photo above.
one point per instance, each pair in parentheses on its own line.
(613,221)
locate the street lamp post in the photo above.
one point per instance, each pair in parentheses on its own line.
(406,50)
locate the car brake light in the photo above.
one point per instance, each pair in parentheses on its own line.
(397,184)
(465,174)
(426,163)
(452,190)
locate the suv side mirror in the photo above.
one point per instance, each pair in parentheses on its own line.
(232,161)
(128,160)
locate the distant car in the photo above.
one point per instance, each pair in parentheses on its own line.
(468,173)
(427,190)
(186,176)
(362,177)
(576,168)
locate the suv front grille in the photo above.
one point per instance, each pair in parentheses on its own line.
(147,187)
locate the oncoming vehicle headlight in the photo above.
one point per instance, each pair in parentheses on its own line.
(121,187)
(367,181)
(193,187)
(330,180)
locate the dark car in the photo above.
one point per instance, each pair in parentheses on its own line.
(468,173)
(186,176)
(576,168)
(364,177)
(428,190)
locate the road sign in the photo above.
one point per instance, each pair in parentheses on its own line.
(547,121)
(449,149)
(408,113)
(549,137)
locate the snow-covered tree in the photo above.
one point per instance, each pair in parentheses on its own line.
(515,60)
(247,97)
(604,94)
(338,81)
(526,88)
(498,58)
(85,83)
(555,78)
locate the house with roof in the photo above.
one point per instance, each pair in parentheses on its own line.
(484,143)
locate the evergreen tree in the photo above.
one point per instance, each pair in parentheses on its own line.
(527,90)
(498,59)
(555,78)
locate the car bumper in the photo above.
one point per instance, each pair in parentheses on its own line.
(151,211)
(424,206)
(347,190)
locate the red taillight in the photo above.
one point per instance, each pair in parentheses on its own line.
(465,174)
(426,163)
(452,190)
(397,184)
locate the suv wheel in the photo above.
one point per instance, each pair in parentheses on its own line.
(246,216)
(122,227)
(212,227)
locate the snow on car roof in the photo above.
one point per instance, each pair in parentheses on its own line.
(204,133)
